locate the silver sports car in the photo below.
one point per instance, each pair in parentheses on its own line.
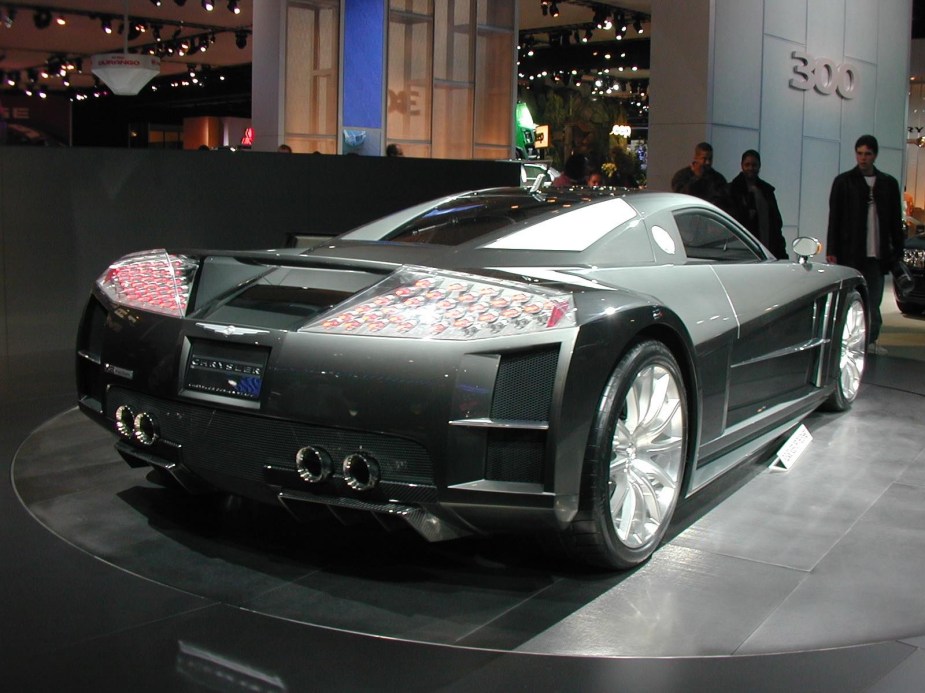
(567,363)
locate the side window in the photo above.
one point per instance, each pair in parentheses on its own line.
(708,238)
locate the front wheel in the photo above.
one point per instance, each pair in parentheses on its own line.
(634,463)
(852,354)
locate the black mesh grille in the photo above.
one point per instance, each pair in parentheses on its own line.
(523,387)
(242,444)
(515,456)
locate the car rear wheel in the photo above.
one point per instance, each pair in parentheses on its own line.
(852,354)
(634,462)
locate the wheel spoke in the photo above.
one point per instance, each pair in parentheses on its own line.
(649,472)
(655,426)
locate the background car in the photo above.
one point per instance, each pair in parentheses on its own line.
(567,363)
(913,301)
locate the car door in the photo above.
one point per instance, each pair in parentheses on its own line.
(780,308)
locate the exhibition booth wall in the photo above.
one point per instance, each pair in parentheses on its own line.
(66,214)
(798,80)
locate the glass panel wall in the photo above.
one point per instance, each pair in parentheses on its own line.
(454,78)
(451,78)
(494,93)
(410,76)
(312,77)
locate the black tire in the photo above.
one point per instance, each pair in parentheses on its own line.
(851,353)
(633,463)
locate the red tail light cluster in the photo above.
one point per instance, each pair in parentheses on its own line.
(436,304)
(152,280)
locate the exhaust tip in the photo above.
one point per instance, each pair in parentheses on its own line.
(313,464)
(125,421)
(361,471)
(145,429)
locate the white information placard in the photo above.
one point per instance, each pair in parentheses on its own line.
(791,450)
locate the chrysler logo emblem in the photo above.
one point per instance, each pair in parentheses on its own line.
(230,330)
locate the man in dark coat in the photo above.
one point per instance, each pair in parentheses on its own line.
(701,180)
(866,226)
(755,205)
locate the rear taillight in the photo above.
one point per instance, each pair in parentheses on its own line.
(152,280)
(438,304)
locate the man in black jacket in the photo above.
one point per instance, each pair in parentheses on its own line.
(755,205)
(865,226)
(701,180)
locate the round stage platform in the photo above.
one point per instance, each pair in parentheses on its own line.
(826,554)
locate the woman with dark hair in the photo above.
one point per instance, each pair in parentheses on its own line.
(575,173)
(755,205)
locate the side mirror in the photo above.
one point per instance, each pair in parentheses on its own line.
(805,247)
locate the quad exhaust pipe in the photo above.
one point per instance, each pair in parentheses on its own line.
(141,427)
(313,464)
(360,469)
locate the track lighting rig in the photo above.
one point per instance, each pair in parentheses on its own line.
(164,38)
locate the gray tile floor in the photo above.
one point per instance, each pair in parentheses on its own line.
(807,579)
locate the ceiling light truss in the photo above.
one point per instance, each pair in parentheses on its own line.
(166,39)
(604,17)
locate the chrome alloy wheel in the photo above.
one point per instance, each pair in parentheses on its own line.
(853,349)
(647,454)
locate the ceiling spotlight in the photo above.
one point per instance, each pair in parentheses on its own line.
(637,25)
(233,7)
(106,25)
(544,6)
(61,20)
(41,18)
(240,39)
(554,9)
(208,5)
(9,17)
(156,3)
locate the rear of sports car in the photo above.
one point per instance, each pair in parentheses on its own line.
(427,395)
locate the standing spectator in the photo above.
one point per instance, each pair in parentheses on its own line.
(865,226)
(595,179)
(575,172)
(755,205)
(701,180)
(284,148)
(394,150)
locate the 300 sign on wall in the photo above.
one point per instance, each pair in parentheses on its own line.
(824,75)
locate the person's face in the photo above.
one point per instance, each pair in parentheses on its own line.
(865,157)
(595,180)
(703,162)
(751,167)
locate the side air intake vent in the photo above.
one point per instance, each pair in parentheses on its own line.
(523,387)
